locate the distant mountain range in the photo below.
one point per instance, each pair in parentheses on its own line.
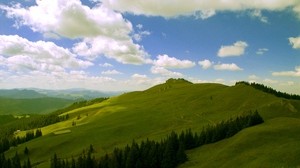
(71,94)
(40,101)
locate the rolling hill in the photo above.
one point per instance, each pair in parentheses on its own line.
(178,105)
(20,94)
(12,106)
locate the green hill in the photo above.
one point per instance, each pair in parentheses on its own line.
(20,94)
(31,106)
(175,105)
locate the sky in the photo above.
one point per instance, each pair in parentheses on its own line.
(126,45)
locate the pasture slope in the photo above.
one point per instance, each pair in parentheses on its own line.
(178,105)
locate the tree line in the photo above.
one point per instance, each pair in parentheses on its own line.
(6,143)
(14,162)
(168,153)
(270,90)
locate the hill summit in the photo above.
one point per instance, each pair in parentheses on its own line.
(178,81)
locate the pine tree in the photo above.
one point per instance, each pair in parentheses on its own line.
(26,151)
(2,160)
(55,162)
(181,155)
(16,163)
(27,164)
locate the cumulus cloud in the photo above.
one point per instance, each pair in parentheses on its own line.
(123,51)
(295,42)
(172,63)
(165,72)
(205,64)
(111,72)
(261,51)
(189,7)
(228,67)
(19,54)
(72,19)
(295,73)
(237,49)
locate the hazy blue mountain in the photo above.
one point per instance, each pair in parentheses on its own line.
(77,93)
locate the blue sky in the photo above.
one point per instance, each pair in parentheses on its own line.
(132,45)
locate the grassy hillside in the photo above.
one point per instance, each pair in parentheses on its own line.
(272,144)
(154,113)
(31,106)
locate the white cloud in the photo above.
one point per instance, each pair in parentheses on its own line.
(141,34)
(229,67)
(172,62)
(164,72)
(70,19)
(111,72)
(295,73)
(295,42)
(139,26)
(237,49)
(253,77)
(175,8)
(261,51)
(19,54)
(220,80)
(138,76)
(106,65)
(257,14)
(270,81)
(140,79)
(58,80)
(204,14)
(205,64)
(123,51)
(73,20)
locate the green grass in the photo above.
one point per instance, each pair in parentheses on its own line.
(153,114)
(276,143)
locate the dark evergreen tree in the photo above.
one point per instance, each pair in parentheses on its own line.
(181,155)
(27,164)
(55,163)
(26,151)
(38,133)
(16,163)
